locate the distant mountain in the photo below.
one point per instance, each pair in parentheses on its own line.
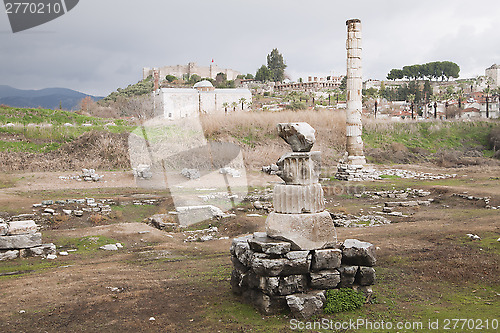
(49,98)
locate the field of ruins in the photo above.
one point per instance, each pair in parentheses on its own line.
(430,207)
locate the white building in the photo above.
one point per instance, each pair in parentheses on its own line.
(203,98)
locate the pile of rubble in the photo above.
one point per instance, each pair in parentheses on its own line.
(397,194)
(20,238)
(349,172)
(78,207)
(487,200)
(203,235)
(142,171)
(351,221)
(88,175)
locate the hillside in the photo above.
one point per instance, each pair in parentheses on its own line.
(41,139)
(49,98)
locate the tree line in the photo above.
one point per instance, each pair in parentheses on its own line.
(432,70)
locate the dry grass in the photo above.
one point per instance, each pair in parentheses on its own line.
(256,133)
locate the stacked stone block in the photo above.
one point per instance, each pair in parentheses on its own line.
(274,278)
(21,238)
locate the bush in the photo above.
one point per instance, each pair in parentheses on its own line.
(344,299)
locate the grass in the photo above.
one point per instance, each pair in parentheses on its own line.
(25,266)
(84,245)
(135,213)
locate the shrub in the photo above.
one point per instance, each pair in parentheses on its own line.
(344,299)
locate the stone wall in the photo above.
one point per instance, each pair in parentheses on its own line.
(190,69)
(272,277)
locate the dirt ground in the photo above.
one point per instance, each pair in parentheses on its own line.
(185,287)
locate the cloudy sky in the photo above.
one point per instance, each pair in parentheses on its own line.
(102,45)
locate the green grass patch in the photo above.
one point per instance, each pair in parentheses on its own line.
(135,213)
(344,299)
(389,177)
(84,244)
(24,266)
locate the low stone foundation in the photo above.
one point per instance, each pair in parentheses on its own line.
(274,278)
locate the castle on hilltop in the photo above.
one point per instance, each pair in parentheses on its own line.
(190,69)
(493,72)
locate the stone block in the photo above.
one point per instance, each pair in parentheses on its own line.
(298,262)
(355,252)
(300,168)
(9,255)
(267,267)
(365,276)
(22,227)
(304,306)
(281,285)
(261,243)
(4,229)
(241,250)
(347,275)
(304,231)
(43,250)
(297,199)
(266,304)
(300,136)
(326,259)
(325,279)
(20,241)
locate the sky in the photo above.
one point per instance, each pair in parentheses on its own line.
(100,46)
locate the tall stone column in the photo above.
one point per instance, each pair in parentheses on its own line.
(354,143)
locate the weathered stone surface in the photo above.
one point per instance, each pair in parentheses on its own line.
(4,229)
(268,267)
(9,255)
(264,303)
(43,250)
(22,227)
(306,305)
(261,243)
(300,136)
(300,168)
(365,276)
(293,263)
(325,279)
(298,262)
(304,231)
(162,222)
(20,241)
(109,247)
(242,251)
(238,265)
(237,240)
(358,253)
(297,199)
(347,275)
(188,214)
(326,259)
(280,285)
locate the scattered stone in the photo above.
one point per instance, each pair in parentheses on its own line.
(43,250)
(109,247)
(254,215)
(190,173)
(9,255)
(163,222)
(63,253)
(51,257)
(152,319)
(90,175)
(473,237)
(142,171)
(47,202)
(119,245)
(261,243)
(230,171)
(78,213)
(67,211)
(49,211)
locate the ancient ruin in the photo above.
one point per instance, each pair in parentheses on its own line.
(297,259)
(350,167)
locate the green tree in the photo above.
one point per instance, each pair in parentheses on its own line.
(225,105)
(276,65)
(395,74)
(343,84)
(249,76)
(242,101)
(170,78)
(263,74)
(234,105)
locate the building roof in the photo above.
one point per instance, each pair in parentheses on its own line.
(494,66)
(203,84)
